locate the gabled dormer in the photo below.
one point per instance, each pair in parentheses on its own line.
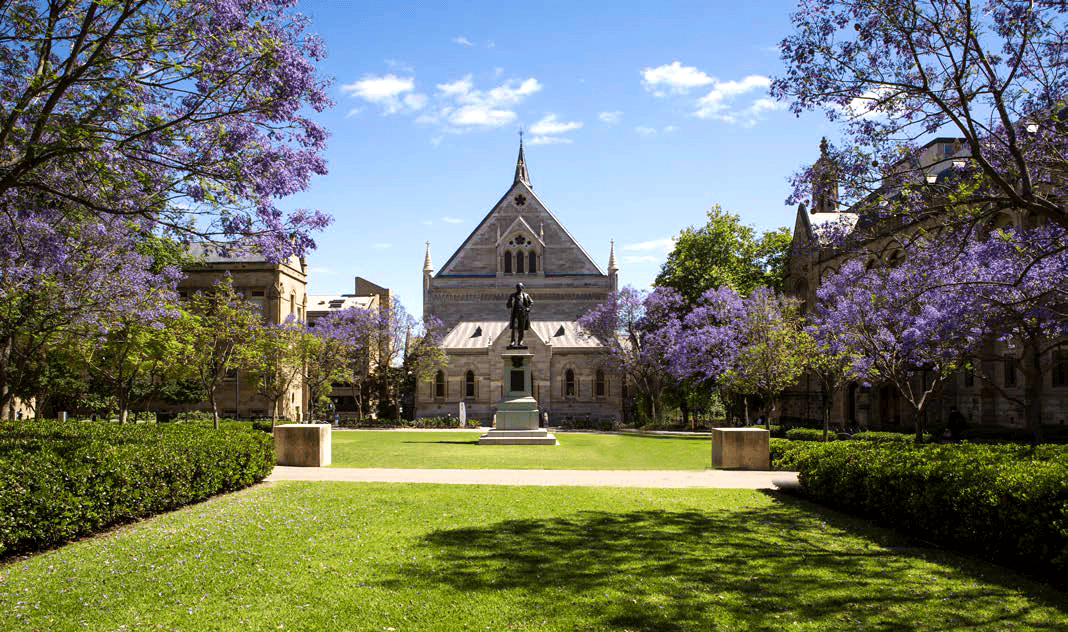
(520,250)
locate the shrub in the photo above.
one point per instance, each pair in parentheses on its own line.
(808,434)
(1005,503)
(885,437)
(785,454)
(63,481)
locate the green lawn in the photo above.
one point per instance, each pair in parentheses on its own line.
(348,556)
(577,451)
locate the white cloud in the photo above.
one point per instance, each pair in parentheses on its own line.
(645,130)
(461,105)
(452,220)
(550,140)
(383,245)
(610,118)
(549,125)
(454,107)
(716,104)
(664,245)
(353,112)
(673,78)
(391,92)
(462,41)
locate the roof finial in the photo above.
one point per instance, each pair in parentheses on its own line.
(612,267)
(426,262)
(521,164)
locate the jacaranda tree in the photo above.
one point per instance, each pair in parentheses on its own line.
(638,330)
(894,72)
(189,114)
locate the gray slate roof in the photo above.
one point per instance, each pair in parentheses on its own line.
(561,334)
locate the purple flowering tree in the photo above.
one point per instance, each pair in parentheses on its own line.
(638,330)
(911,324)
(188,114)
(63,280)
(994,74)
(1016,281)
(747,346)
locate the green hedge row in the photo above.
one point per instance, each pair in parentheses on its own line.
(428,423)
(59,482)
(808,434)
(1005,503)
(889,437)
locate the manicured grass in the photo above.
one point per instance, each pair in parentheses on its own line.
(577,451)
(346,556)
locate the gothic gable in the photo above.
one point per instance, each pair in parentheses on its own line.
(519,214)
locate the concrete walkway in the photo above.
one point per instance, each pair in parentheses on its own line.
(722,479)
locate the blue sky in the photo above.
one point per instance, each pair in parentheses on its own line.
(638,117)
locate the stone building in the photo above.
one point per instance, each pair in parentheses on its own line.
(883,241)
(519,241)
(277,291)
(352,400)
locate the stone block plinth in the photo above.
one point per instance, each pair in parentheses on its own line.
(303,445)
(740,448)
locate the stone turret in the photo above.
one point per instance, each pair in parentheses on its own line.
(613,269)
(824,182)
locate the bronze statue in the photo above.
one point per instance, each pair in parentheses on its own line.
(519,302)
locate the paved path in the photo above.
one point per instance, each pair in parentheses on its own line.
(733,479)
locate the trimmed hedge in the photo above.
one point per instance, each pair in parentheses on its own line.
(59,481)
(1005,503)
(786,454)
(808,434)
(885,437)
(426,423)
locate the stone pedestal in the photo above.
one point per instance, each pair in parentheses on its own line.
(516,419)
(305,445)
(740,448)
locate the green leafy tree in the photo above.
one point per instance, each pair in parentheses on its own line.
(272,361)
(222,324)
(135,361)
(724,253)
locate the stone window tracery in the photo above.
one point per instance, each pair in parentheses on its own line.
(519,255)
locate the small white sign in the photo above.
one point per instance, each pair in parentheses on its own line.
(463,414)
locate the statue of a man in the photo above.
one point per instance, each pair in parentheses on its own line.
(519,302)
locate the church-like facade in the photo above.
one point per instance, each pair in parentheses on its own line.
(520,241)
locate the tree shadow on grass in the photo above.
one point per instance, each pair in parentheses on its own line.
(755,569)
(471,442)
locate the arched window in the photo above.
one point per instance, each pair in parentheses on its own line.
(599,385)
(469,384)
(569,383)
(439,384)
(519,261)
(533,260)
(507,262)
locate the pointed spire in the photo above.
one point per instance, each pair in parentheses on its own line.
(426,262)
(612,267)
(521,164)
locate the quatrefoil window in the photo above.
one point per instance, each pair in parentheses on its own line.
(520,200)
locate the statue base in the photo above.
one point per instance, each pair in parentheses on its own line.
(518,345)
(516,419)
